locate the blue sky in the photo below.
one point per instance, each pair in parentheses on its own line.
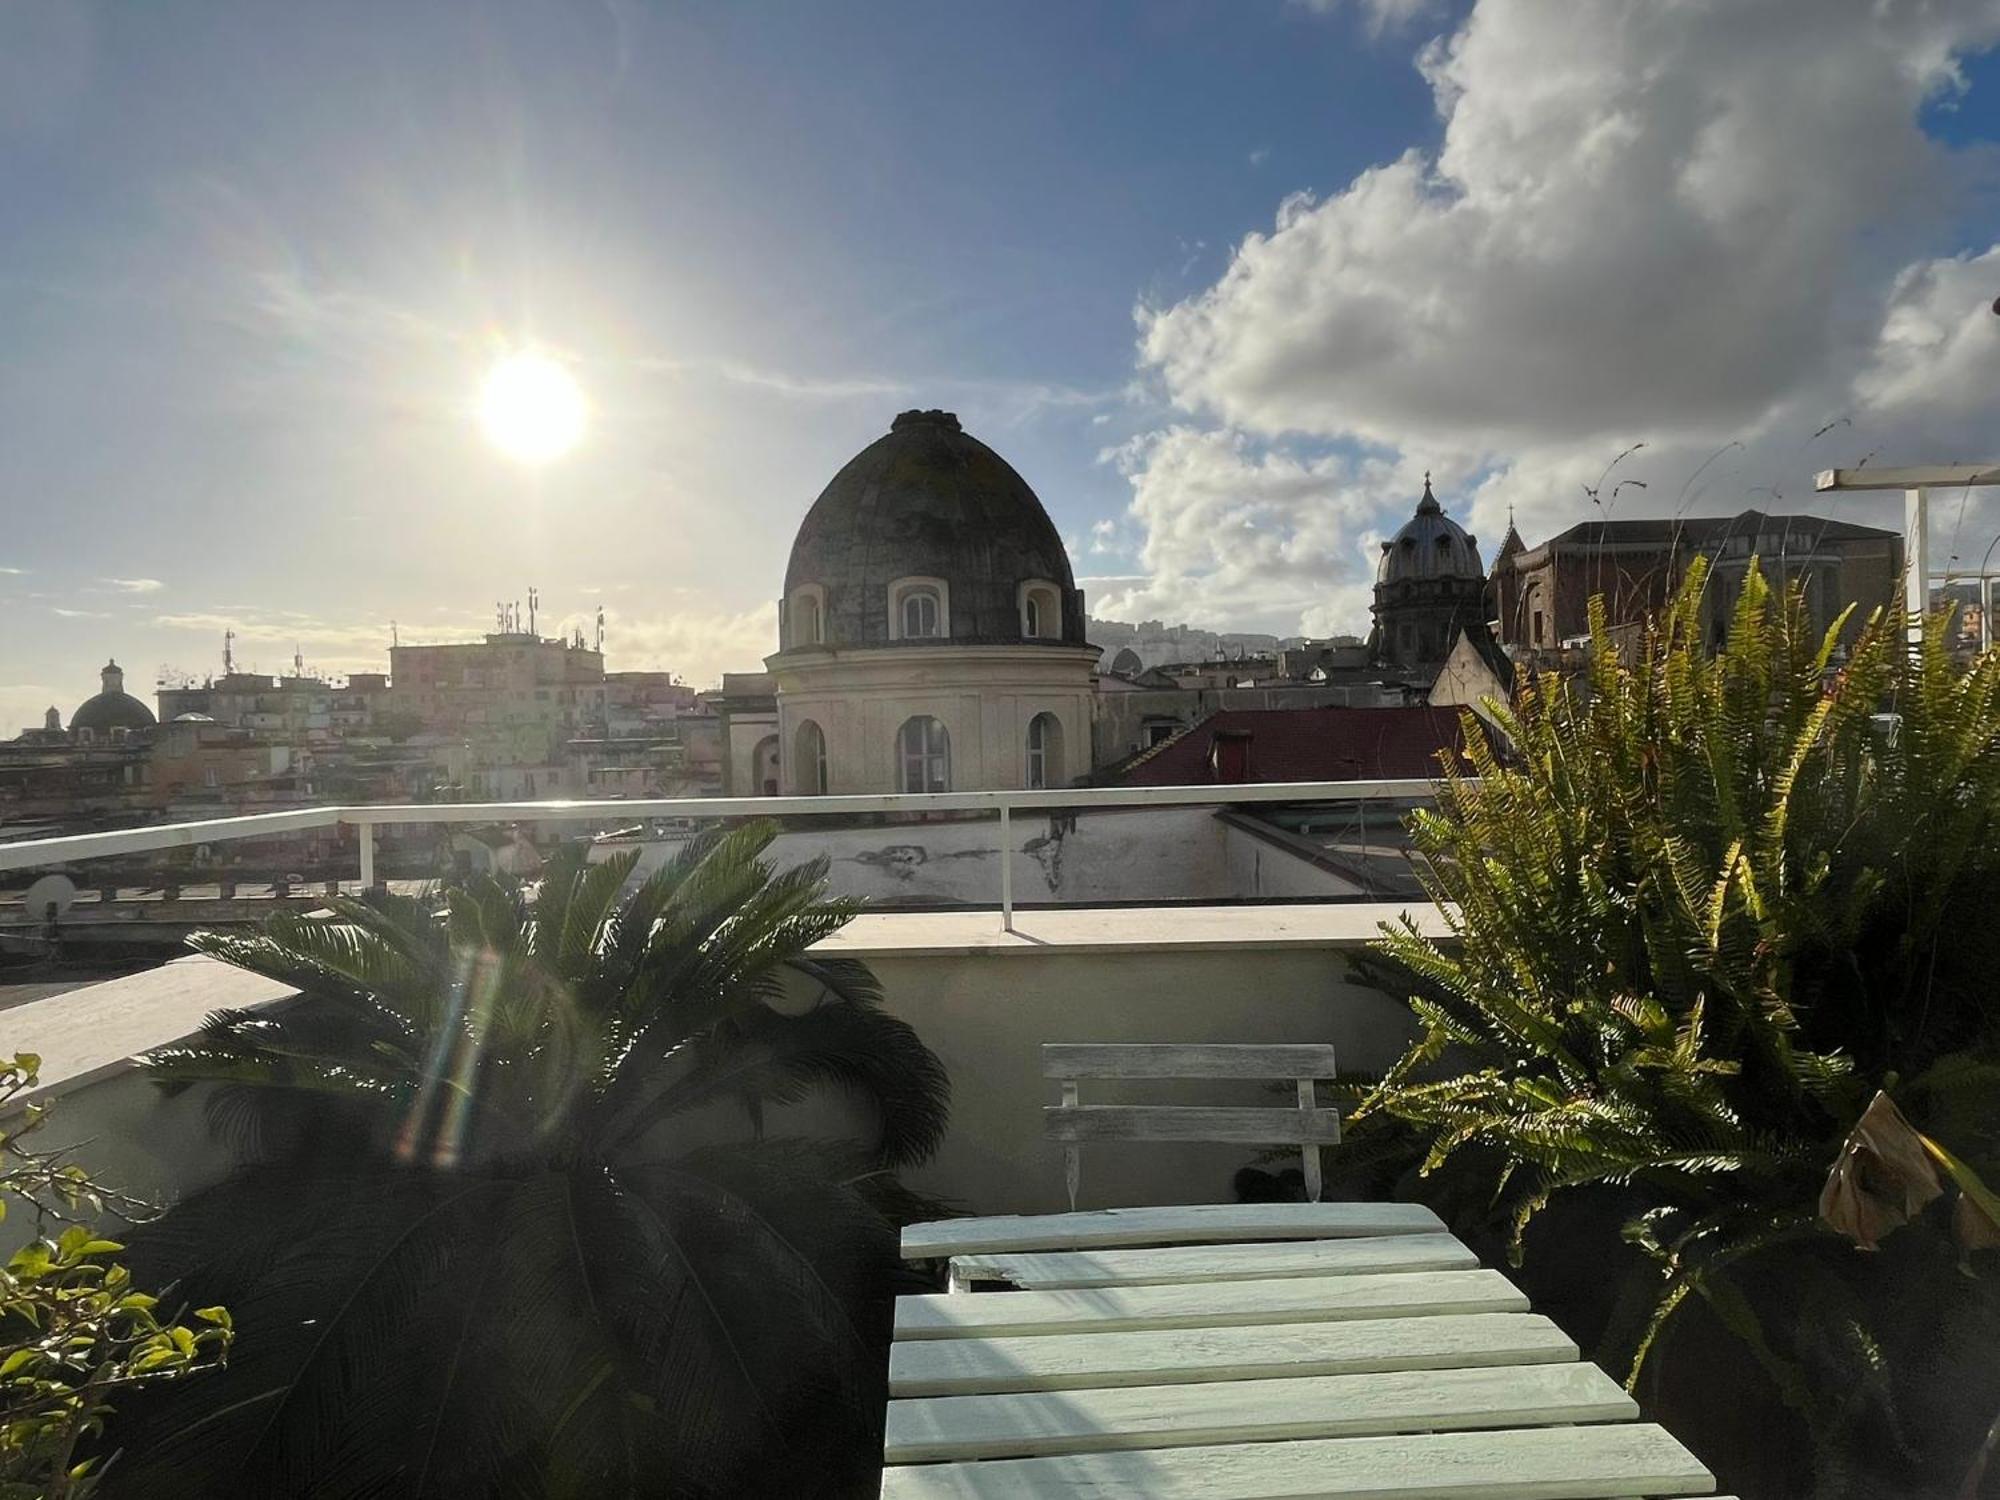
(1220,280)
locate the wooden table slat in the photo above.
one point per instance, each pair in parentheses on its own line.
(1291,1299)
(1048,1362)
(947,1428)
(1537,1463)
(1051,1270)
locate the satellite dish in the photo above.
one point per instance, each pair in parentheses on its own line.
(51,890)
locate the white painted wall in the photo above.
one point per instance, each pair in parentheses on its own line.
(1144,854)
(1261,870)
(984,695)
(985,1011)
(987,1018)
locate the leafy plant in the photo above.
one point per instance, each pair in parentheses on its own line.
(1702,907)
(517,1222)
(75,1332)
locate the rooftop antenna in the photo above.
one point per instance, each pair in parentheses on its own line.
(228,651)
(533,600)
(600,628)
(394,639)
(298,661)
(500,617)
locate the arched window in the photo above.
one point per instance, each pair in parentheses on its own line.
(1041,611)
(920,614)
(808,617)
(809,760)
(924,750)
(764,766)
(1045,751)
(919,609)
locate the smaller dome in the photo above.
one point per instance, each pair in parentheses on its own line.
(112,708)
(1430,546)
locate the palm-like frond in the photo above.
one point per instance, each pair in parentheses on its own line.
(517,1272)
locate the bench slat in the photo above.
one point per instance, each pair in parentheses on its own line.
(1185,1060)
(947,1428)
(1183,1122)
(1051,1270)
(1293,1299)
(1536,1463)
(1199,1223)
(1055,1362)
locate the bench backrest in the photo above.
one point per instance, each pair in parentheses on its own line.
(1307,1126)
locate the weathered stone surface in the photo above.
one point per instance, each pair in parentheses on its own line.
(931,501)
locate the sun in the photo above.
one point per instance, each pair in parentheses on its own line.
(531,408)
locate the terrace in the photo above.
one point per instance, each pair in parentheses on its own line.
(984,984)
(1587,1060)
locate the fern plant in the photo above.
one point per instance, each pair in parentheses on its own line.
(1701,907)
(517,1220)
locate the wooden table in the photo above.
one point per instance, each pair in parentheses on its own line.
(1248,1352)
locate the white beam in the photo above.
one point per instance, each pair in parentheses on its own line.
(1923,477)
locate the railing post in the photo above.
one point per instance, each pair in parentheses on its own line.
(367,857)
(1006,870)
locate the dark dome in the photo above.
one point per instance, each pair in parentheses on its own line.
(113,708)
(1431,545)
(930,501)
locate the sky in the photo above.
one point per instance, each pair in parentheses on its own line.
(1223,281)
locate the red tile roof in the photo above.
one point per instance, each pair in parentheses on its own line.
(1299,744)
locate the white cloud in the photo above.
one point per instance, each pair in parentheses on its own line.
(1259,156)
(1382,15)
(79,614)
(1241,534)
(1645,215)
(697,643)
(1714,228)
(14,572)
(134,585)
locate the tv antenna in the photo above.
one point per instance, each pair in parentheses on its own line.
(228,652)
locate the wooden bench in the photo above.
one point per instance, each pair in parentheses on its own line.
(1308,1126)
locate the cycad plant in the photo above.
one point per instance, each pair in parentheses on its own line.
(519,1218)
(1702,906)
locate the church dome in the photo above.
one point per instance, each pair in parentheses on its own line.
(113,708)
(929,502)
(1430,546)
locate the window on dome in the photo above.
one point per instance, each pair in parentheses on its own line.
(808,617)
(920,614)
(924,750)
(1041,611)
(919,609)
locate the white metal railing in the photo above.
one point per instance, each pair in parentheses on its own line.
(30,854)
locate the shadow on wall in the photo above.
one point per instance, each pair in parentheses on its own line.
(1143,854)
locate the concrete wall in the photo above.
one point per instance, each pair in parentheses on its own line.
(984,1001)
(1259,869)
(1146,854)
(987,1018)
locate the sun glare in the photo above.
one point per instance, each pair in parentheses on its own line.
(531,408)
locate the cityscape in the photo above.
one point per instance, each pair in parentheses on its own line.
(1220,751)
